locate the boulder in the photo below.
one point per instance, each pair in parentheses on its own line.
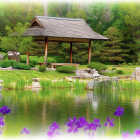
(86,73)
(35,68)
(1,56)
(136,74)
(50,69)
(12,55)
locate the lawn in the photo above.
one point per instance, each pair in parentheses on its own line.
(14,75)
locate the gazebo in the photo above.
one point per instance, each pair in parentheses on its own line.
(57,29)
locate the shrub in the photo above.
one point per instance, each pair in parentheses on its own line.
(113,69)
(66,69)
(97,65)
(42,68)
(21,66)
(119,72)
(7,63)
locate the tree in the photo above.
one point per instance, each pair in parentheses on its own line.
(112,51)
(15,41)
(98,16)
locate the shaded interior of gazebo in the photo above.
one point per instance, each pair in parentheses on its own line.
(54,29)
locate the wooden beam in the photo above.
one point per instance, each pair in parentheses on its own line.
(70,52)
(46,50)
(27,60)
(89,52)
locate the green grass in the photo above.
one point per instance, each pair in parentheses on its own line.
(45,84)
(13,76)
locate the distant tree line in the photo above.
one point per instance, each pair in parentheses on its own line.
(118,21)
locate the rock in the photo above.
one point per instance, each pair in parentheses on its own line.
(136,74)
(36,85)
(13,55)
(9,68)
(1,56)
(1,81)
(50,69)
(103,78)
(1,87)
(35,79)
(35,68)
(86,73)
(96,74)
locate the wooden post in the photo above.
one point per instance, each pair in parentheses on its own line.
(70,52)
(46,50)
(89,52)
(27,60)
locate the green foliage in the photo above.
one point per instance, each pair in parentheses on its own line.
(35,59)
(113,69)
(66,69)
(23,66)
(119,71)
(97,65)
(42,68)
(111,49)
(6,63)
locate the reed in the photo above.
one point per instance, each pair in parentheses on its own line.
(45,84)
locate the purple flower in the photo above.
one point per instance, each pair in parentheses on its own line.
(119,111)
(96,123)
(125,135)
(137,132)
(109,122)
(25,131)
(4,110)
(92,126)
(1,121)
(73,125)
(52,132)
(81,122)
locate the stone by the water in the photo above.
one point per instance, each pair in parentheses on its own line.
(136,74)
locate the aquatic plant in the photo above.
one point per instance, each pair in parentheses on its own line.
(4,110)
(53,129)
(25,131)
(109,122)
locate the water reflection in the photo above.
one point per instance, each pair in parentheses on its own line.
(38,110)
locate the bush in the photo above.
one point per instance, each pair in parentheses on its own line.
(42,68)
(97,65)
(7,63)
(66,69)
(113,69)
(21,66)
(119,72)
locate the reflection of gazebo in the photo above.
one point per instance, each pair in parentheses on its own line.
(62,30)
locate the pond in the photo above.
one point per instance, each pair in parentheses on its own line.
(37,110)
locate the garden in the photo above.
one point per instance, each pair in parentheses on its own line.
(95,96)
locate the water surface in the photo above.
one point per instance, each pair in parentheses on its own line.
(37,110)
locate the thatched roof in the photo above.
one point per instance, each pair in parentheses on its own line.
(55,27)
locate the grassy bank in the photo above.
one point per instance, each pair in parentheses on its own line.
(14,75)
(127,69)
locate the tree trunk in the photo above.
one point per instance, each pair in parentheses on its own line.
(27,60)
